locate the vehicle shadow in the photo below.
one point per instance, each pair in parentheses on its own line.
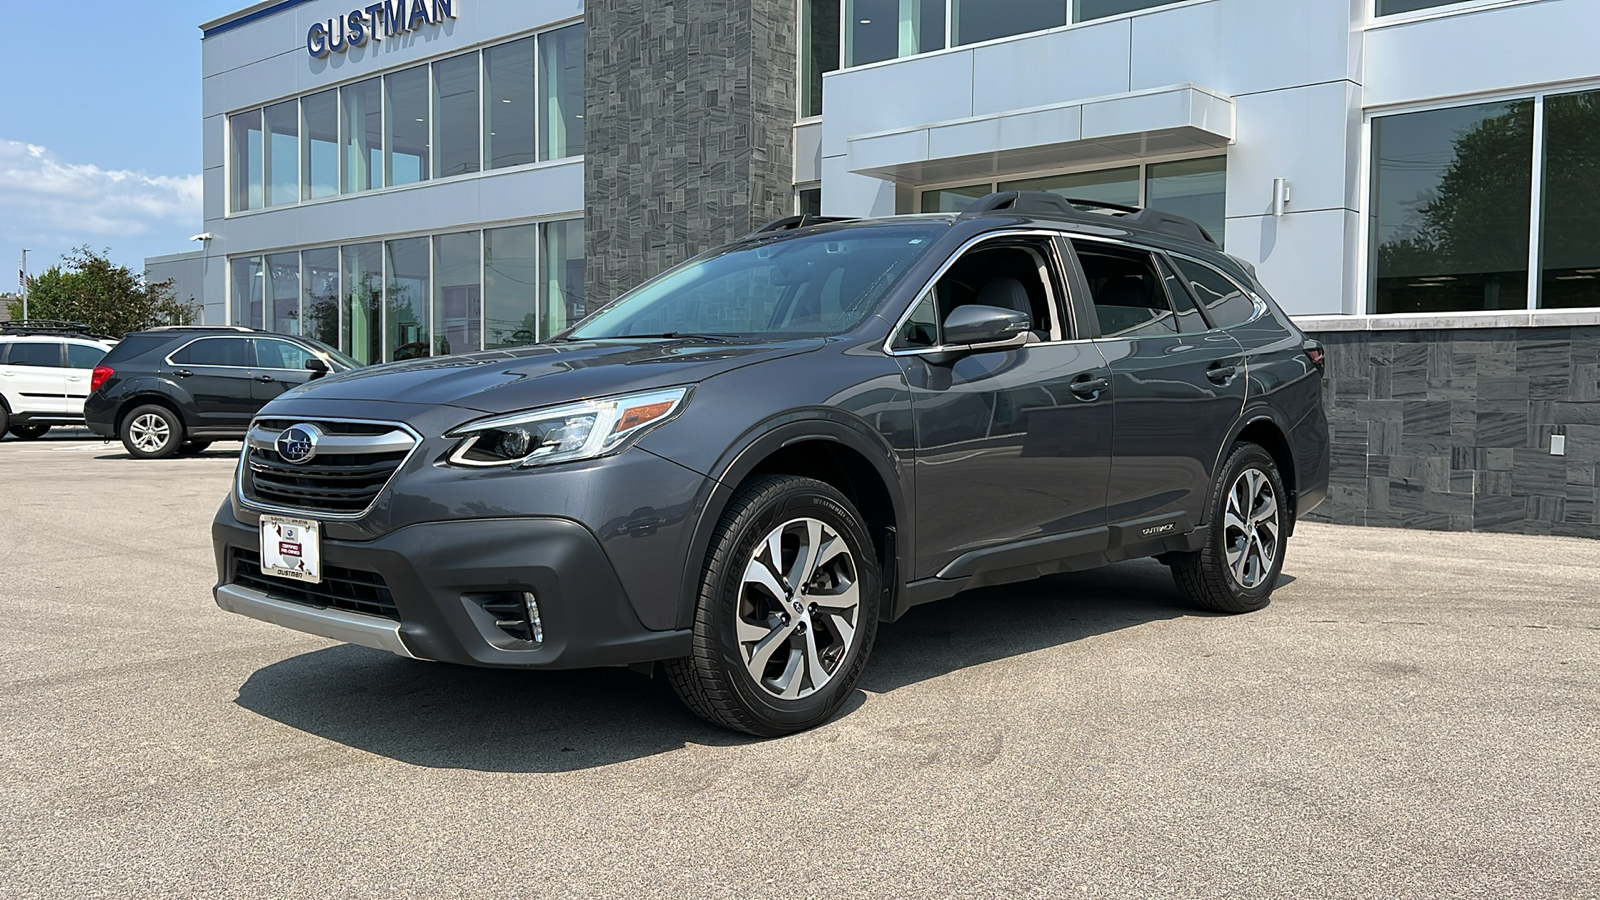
(445,716)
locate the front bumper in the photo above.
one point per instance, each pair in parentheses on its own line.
(432,571)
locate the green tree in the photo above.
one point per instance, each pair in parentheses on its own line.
(110,299)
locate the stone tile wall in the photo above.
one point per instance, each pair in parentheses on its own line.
(689,131)
(1451,429)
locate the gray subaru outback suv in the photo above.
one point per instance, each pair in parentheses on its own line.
(740,469)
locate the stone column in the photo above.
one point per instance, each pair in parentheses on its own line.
(689,114)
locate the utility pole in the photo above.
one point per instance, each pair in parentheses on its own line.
(24,280)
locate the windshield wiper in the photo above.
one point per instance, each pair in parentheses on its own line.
(686,336)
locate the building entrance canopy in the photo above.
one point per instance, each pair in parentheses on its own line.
(1105,130)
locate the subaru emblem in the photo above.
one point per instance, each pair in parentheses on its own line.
(298,445)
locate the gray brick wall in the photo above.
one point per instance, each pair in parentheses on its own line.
(1451,429)
(689,115)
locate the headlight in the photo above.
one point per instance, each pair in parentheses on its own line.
(559,434)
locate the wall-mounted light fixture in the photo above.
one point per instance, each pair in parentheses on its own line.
(1280,195)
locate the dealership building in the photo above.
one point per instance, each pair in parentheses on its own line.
(1417,182)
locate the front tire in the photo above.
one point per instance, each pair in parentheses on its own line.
(152,432)
(30,432)
(1237,569)
(787,612)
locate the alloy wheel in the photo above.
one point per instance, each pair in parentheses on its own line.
(798,611)
(1251,528)
(150,433)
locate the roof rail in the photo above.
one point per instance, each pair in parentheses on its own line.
(47,327)
(200,328)
(1042,203)
(793,223)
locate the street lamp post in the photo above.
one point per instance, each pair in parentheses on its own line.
(24,280)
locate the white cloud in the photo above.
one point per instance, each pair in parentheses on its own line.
(41,195)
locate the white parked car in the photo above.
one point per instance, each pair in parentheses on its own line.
(45,368)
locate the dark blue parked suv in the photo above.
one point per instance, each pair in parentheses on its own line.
(742,467)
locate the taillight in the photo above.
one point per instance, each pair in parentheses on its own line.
(99,376)
(1316,354)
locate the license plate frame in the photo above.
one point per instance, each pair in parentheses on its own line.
(291,548)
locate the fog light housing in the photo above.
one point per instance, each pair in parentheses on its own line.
(515,612)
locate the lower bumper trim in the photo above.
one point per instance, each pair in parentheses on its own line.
(351,628)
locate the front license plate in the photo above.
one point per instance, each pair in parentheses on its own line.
(291,548)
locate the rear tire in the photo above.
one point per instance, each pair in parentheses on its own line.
(30,432)
(5,419)
(152,432)
(1237,569)
(787,612)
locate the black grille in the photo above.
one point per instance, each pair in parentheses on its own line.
(337,483)
(350,590)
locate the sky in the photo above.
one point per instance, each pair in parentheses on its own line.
(100,128)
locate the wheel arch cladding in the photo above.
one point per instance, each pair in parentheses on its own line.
(150,399)
(827,451)
(1264,432)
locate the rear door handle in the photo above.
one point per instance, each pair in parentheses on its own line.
(1089,387)
(183,373)
(1222,373)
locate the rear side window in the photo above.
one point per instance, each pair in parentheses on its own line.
(1130,299)
(135,346)
(233,352)
(1227,304)
(45,356)
(3,347)
(84,356)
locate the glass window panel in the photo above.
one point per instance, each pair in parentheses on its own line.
(1570,237)
(320,165)
(456,126)
(983,20)
(819,51)
(406,147)
(509,108)
(561,89)
(362,321)
(1105,186)
(282,147)
(889,29)
(272,354)
(458,303)
(249,292)
(1193,188)
(321,286)
(1087,10)
(230,351)
(1450,196)
(511,286)
(363,135)
(561,284)
(247,160)
(1227,305)
(953,200)
(1129,298)
(407,306)
(84,356)
(1390,7)
(283,293)
(43,356)
(808,201)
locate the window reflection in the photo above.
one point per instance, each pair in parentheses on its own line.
(362,318)
(283,293)
(458,303)
(406,336)
(1120,186)
(1571,232)
(363,135)
(561,287)
(508,110)
(320,308)
(889,29)
(1087,10)
(561,103)
(249,291)
(281,152)
(246,165)
(984,20)
(320,162)
(819,51)
(953,200)
(406,159)
(1196,189)
(511,286)
(456,126)
(1451,199)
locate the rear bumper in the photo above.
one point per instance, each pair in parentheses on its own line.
(432,571)
(100,416)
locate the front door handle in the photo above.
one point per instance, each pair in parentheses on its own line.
(183,373)
(1089,387)
(264,379)
(1222,373)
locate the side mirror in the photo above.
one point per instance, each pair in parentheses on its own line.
(968,325)
(317,367)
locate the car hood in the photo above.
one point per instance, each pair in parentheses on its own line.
(501,381)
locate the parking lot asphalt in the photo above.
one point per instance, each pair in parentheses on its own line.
(1415,715)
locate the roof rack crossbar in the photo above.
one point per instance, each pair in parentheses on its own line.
(23,327)
(1043,203)
(793,223)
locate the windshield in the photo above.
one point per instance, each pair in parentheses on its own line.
(806,285)
(341,361)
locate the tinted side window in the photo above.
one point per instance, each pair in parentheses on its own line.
(922,329)
(3,347)
(136,345)
(272,354)
(1190,321)
(233,352)
(84,356)
(47,356)
(1226,303)
(1129,298)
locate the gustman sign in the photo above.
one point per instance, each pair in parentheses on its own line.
(388,19)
